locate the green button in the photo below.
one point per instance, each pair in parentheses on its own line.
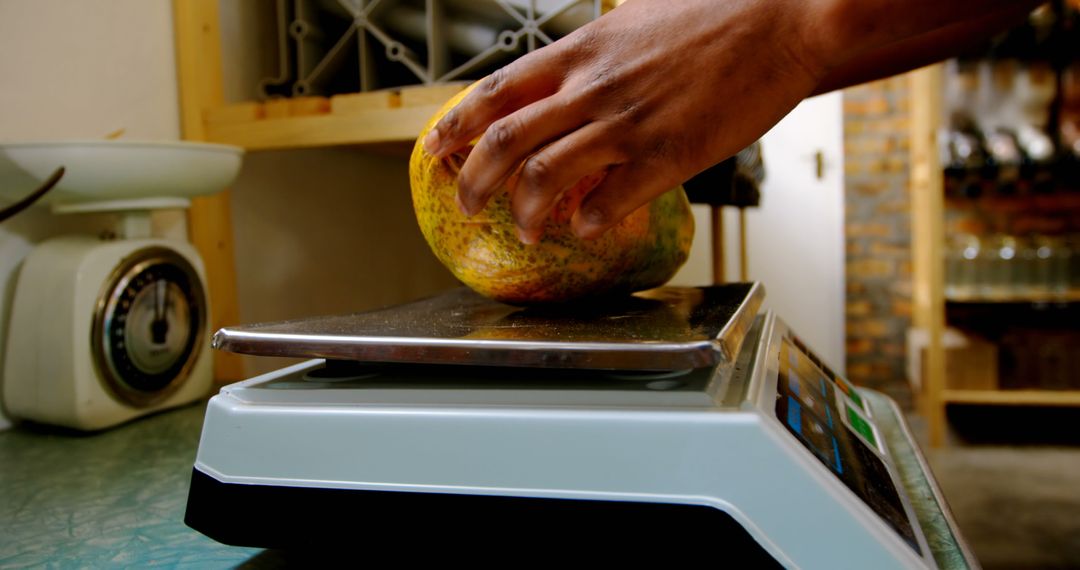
(851,392)
(860,425)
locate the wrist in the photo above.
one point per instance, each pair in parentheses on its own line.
(838,30)
(844,30)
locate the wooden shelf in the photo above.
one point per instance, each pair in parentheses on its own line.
(1071,296)
(1014,397)
(387,116)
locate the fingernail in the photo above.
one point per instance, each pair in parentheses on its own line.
(585,230)
(461,205)
(432,142)
(526,237)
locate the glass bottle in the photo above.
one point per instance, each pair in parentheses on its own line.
(1025,281)
(998,262)
(1051,265)
(961,266)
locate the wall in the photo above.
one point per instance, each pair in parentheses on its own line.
(79,70)
(877,234)
(317,231)
(86,69)
(326,231)
(796,236)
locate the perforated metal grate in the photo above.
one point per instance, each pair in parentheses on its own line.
(327,47)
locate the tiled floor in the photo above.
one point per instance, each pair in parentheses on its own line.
(1012,478)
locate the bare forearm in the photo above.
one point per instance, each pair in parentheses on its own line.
(655,91)
(847,28)
(923,49)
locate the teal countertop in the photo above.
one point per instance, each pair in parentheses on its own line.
(117,498)
(110,499)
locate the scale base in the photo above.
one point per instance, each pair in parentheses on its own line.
(390,522)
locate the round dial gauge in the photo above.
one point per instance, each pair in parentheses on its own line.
(148,327)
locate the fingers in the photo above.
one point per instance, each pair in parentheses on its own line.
(548,174)
(626,188)
(524,81)
(508,142)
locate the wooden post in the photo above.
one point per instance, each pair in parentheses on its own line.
(717,218)
(743,263)
(199,75)
(928,241)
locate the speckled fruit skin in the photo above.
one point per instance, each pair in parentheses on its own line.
(643,251)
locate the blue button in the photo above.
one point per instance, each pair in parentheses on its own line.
(794,415)
(836,456)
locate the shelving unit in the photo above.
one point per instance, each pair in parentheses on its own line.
(378,117)
(198,69)
(930,303)
(1012,397)
(375,119)
(927,242)
(1071,296)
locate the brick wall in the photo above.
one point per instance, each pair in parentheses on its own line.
(878,234)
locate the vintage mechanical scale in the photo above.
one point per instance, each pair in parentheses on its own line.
(110,327)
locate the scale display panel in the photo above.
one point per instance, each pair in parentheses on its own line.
(815,406)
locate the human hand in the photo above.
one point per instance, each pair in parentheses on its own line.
(652,93)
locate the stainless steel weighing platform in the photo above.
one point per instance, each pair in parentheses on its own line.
(678,420)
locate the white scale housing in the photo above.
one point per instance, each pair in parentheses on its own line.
(737,438)
(57,367)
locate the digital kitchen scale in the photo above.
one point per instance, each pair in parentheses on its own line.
(677,421)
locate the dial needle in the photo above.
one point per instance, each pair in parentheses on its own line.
(160,326)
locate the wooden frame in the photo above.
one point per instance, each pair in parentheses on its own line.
(379,120)
(928,279)
(198,65)
(928,240)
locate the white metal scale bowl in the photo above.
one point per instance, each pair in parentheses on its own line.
(464,424)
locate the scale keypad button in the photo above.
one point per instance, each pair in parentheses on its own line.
(860,425)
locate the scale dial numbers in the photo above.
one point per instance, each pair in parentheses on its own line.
(148,326)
